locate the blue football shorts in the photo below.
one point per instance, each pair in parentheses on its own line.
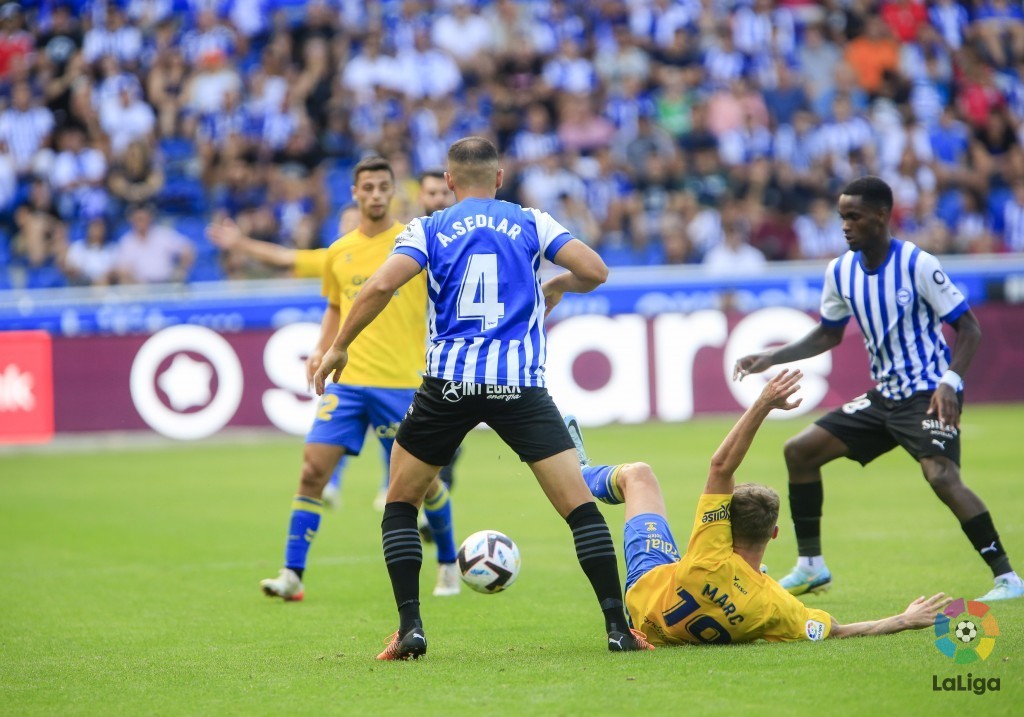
(345,412)
(648,544)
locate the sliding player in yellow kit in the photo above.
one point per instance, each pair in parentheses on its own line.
(714,592)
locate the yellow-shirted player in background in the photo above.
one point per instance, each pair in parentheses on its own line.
(433,196)
(385,370)
(715,592)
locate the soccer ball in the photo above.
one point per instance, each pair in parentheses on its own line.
(966,631)
(488,561)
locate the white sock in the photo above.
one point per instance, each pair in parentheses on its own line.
(1010,577)
(813,562)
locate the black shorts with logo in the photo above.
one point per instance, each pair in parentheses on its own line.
(443,412)
(872,424)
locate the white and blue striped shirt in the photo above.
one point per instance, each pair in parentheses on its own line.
(900,308)
(486,307)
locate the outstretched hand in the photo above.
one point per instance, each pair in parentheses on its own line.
(225,234)
(921,613)
(332,365)
(776,393)
(754,363)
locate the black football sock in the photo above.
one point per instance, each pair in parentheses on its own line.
(596,553)
(805,500)
(983,536)
(403,554)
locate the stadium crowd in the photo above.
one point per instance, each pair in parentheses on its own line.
(659,131)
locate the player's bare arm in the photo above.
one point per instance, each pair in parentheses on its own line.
(586,272)
(328,330)
(775,394)
(968,336)
(918,615)
(372,299)
(228,236)
(818,341)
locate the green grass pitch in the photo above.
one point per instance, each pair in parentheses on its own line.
(130,587)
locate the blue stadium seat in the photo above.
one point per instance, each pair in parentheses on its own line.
(177,152)
(997,199)
(206,269)
(195,229)
(45,277)
(182,195)
(339,186)
(329,230)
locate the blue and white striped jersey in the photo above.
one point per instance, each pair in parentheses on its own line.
(900,308)
(486,308)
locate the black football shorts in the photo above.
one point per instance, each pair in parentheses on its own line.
(443,412)
(872,424)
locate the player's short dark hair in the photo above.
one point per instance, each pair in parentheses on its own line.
(871,190)
(473,150)
(754,513)
(431,173)
(473,161)
(372,164)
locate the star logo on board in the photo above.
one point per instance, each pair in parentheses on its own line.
(186,383)
(16,389)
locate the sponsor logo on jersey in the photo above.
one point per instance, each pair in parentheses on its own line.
(454,391)
(719,513)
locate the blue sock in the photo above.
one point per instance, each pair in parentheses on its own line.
(335,481)
(301,531)
(601,481)
(439,514)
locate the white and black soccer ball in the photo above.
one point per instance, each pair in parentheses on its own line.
(489,561)
(966,631)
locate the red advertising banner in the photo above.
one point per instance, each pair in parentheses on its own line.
(189,382)
(26,387)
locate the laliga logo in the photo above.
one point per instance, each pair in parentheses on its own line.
(187,383)
(966,631)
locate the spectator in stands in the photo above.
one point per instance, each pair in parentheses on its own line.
(91,261)
(8,181)
(113,37)
(40,234)
(1000,26)
(819,232)
(134,177)
(152,254)
(873,54)
(971,232)
(1013,219)
(467,37)
(15,42)
(734,256)
(579,128)
(127,119)
(25,127)
(165,87)
(79,176)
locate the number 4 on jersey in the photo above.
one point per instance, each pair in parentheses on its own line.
(478,295)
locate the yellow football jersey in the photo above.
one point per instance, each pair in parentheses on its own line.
(712,595)
(390,352)
(310,263)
